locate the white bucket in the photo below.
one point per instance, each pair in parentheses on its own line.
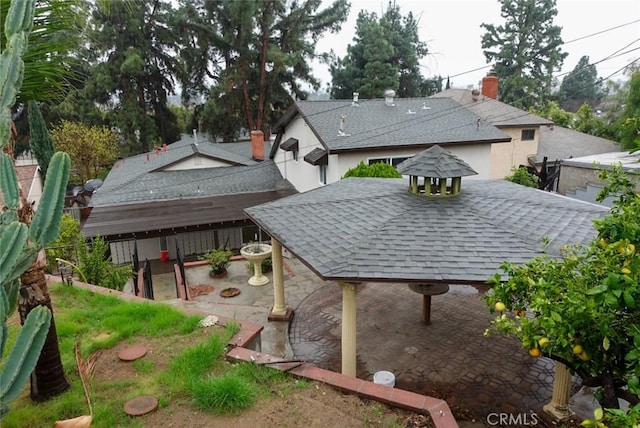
(384,378)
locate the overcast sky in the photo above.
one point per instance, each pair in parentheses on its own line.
(451,29)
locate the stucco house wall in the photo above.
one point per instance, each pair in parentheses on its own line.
(506,155)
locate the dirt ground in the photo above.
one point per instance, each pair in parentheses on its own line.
(314,405)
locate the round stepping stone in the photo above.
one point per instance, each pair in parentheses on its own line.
(132,353)
(141,405)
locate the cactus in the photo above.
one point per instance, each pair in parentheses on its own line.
(20,244)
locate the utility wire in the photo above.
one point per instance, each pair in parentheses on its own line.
(565,43)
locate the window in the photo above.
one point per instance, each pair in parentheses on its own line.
(528,134)
(395,160)
(323,174)
(378,160)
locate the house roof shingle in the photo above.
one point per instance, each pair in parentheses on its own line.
(139,195)
(492,111)
(342,126)
(557,143)
(367,229)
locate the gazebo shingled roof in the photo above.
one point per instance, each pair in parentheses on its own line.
(436,162)
(370,229)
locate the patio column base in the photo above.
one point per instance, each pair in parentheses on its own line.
(559,405)
(287,315)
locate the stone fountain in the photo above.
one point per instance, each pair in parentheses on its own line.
(256,253)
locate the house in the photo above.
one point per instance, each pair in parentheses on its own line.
(525,129)
(189,195)
(557,143)
(579,176)
(31,183)
(318,141)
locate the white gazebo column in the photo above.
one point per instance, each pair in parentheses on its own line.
(559,405)
(348,328)
(279,312)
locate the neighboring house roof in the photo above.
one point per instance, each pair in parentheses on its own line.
(342,126)
(629,161)
(557,143)
(492,111)
(138,195)
(436,162)
(371,229)
(26,174)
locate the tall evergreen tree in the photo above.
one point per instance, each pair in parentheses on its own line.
(40,140)
(580,86)
(133,45)
(525,51)
(255,53)
(385,55)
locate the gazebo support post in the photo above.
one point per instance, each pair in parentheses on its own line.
(426,309)
(559,405)
(348,328)
(279,312)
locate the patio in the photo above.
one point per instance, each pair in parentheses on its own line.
(448,359)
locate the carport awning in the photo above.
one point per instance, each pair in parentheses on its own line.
(291,145)
(317,157)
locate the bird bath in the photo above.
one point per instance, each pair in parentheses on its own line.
(256,253)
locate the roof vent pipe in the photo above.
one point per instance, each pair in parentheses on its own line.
(388,97)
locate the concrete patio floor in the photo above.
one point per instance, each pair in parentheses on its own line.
(449,358)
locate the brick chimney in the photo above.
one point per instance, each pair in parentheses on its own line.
(490,86)
(257,146)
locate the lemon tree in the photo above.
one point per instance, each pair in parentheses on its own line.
(582,308)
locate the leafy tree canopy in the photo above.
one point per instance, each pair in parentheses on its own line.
(385,55)
(628,123)
(581,308)
(525,51)
(551,110)
(92,149)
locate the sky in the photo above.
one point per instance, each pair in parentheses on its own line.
(451,29)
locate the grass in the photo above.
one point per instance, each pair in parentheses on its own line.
(199,374)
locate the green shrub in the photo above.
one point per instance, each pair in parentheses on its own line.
(218,260)
(380,169)
(520,175)
(266,265)
(64,247)
(95,267)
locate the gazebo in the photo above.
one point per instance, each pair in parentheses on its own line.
(429,231)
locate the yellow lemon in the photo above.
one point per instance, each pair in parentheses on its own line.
(500,307)
(583,356)
(577,349)
(534,352)
(625,271)
(543,341)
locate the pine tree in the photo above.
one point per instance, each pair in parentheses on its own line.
(385,55)
(581,86)
(525,50)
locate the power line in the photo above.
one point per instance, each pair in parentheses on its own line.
(565,43)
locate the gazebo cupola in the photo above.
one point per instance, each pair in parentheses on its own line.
(435,172)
